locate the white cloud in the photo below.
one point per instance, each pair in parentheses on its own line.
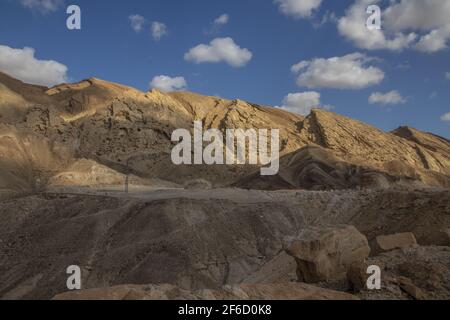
(447,75)
(328,17)
(23,65)
(43,6)
(168,84)
(347,72)
(353,27)
(298,8)
(434,41)
(422,15)
(446,117)
(219,50)
(422,25)
(392,97)
(217,24)
(430,18)
(303,102)
(137,22)
(159,30)
(222,20)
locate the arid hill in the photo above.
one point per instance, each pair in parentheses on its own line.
(86,179)
(130,132)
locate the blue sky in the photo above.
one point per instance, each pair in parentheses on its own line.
(278,34)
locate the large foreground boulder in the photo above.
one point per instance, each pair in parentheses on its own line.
(326,254)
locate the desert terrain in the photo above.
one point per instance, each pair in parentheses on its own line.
(86,179)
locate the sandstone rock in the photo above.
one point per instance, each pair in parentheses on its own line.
(410,288)
(324,254)
(391,242)
(357,277)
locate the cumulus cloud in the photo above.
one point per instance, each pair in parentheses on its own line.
(389,98)
(168,84)
(418,24)
(137,22)
(351,71)
(353,27)
(298,8)
(220,50)
(23,65)
(434,41)
(303,102)
(43,6)
(222,20)
(446,117)
(159,30)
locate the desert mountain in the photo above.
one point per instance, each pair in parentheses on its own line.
(196,231)
(44,131)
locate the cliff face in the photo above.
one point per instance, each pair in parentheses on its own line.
(129,131)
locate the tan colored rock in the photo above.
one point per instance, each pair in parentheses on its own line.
(357,277)
(392,242)
(324,254)
(280,291)
(410,288)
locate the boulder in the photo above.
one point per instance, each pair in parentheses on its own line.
(410,288)
(326,254)
(392,242)
(357,277)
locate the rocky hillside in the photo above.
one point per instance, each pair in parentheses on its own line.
(129,131)
(199,240)
(216,232)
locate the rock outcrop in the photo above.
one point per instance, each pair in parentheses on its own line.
(391,242)
(325,254)
(317,168)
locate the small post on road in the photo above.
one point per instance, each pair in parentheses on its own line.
(126,183)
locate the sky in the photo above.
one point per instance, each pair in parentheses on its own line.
(291,54)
